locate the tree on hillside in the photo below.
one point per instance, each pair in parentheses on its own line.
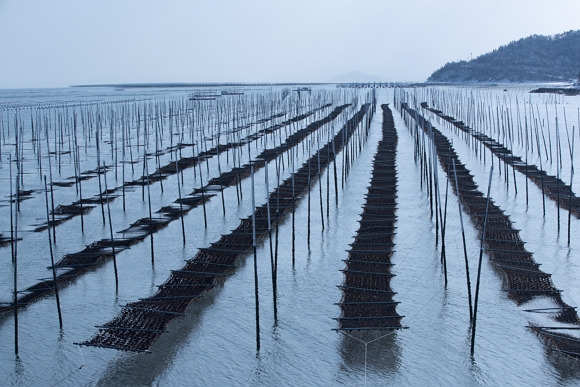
(533,59)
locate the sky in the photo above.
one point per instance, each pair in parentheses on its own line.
(58,43)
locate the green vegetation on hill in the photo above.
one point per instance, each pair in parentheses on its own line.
(536,58)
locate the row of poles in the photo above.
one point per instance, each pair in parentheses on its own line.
(538,136)
(292,190)
(426,156)
(505,128)
(351,151)
(179,116)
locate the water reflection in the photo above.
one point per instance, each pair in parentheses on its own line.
(567,369)
(376,352)
(145,368)
(18,375)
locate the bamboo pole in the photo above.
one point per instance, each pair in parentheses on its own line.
(111,231)
(309,199)
(11,208)
(527,146)
(257,301)
(464,243)
(78,168)
(51,185)
(179,194)
(202,189)
(52,256)
(123,159)
(277,220)
(99,170)
(271,248)
(540,160)
(320,183)
(14,244)
(15,261)
(558,166)
(571,179)
(328,182)
(149,203)
(473,325)
(444,223)
(293,214)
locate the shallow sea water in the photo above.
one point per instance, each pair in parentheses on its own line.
(215,344)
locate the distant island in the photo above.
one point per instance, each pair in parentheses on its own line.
(536,58)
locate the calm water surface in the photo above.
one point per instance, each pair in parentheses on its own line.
(215,344)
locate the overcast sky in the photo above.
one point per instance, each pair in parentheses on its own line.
(46,43)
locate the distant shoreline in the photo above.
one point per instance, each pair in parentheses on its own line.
(558,90)
(200,84)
